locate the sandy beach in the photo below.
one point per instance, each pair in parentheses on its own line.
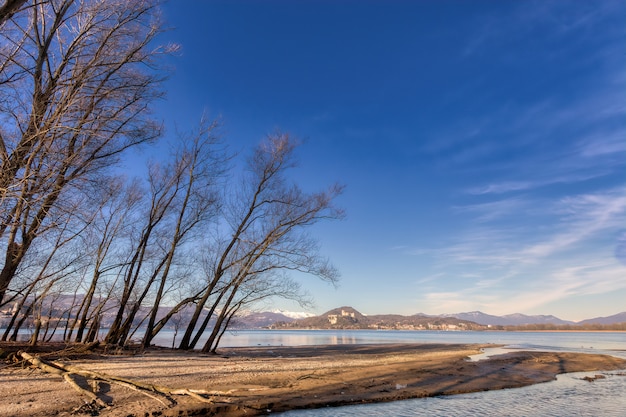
(259,381)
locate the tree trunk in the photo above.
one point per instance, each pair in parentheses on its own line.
(35,336)
(224,328)
(220,319)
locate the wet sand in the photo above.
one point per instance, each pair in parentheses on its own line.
(259,381)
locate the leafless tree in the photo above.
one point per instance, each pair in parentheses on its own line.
(204,165)
(266,223)
(56,258)
(183,198)
(76,79)
(106,234)
(256,289)
(9,8)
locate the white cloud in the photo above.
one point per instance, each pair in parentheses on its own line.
(564,249)
(502,188)
(534,294)
(507,187)
(586,215)
(603,145)
(494,209)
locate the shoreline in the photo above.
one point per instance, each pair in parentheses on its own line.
(252,381)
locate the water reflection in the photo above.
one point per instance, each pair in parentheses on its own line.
(342,340)
(489,352)
(613,343)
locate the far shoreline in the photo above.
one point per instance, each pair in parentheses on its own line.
(439,330)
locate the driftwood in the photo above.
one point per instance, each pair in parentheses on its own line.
(67,372)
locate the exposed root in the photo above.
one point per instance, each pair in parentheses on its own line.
(68,372)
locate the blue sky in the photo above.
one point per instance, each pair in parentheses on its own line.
(482,143)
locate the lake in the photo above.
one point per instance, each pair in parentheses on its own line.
(613,343)
(569,395)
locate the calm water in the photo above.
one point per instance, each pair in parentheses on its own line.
(613,343)
(569,395)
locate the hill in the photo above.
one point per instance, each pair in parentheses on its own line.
(509,319)
(615,318)
(349,318)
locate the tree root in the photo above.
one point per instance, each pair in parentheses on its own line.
(67,372)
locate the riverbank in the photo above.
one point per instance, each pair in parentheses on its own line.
(257,381)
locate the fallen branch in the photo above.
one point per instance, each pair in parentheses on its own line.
(156,392)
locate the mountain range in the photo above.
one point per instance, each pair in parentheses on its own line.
(518,319)
(256,320)
(269,319)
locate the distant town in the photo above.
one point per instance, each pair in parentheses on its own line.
(349,318)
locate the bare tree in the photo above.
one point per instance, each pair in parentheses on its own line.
(183,198)
(145,264)
(9,8)
(76,79)
(106,235)
(56,258)
(203,167)
(267,221)
(255,289)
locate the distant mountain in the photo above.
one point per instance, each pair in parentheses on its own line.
(516,319)
(294,314)
(615,318)
(349,318)
(260,320)
(521,319)
(478,317)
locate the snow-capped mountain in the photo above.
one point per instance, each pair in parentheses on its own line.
(294,314)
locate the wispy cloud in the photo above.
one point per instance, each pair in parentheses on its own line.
(561,147)
(511,186)
(551,136)
(503,187)
(549,228)
(553,286)
(555,250)
(492,210)
(604,144)
(585,215)
(562,18)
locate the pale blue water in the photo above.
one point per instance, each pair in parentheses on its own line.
(589,342)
